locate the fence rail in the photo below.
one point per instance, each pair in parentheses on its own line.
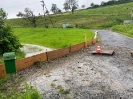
(27,62)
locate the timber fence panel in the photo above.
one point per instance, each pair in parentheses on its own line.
(24,63)
(58,53)
(77,47)
(40,57)
(2,71)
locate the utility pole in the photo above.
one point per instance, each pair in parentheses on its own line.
(43,5)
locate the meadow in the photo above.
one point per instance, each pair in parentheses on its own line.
(52,37)
(98,18)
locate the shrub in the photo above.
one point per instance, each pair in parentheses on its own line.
(69,27)
(8,42)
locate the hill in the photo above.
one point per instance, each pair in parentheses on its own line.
(102,17)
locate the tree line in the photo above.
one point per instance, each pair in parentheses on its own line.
(110,2)
(29,15)
(69,5)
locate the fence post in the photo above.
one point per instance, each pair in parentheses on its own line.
(47,55)
(85,40)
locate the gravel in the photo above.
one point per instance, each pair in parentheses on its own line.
(115,39)
(82,75)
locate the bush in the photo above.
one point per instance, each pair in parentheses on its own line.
(8,42)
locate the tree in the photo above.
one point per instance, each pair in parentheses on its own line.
(29,16)
(71,4)
(83,6)
(8,42)
(92,4)
(46,12)
(66,6)
(54,8)
(3,14)
(103,3)
(45,23)
(59,10)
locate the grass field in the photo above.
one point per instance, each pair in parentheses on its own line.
(52,37)
(102,17)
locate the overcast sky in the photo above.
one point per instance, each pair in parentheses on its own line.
(12,7)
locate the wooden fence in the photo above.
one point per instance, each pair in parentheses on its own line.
(26,62)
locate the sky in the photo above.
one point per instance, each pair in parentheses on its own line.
(12,7)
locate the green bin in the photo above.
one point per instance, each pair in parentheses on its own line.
(9,60)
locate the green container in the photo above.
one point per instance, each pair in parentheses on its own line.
(9,60)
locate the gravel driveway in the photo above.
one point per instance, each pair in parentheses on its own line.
(82,75)
(114,39)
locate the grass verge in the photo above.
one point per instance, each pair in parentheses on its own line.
(124,29)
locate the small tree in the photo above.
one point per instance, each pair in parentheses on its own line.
(66,6)
(83,6)
(92,4)
(8,42)
(54,8)
(103,3)
(47,12)
(59,10)
(29,16)
(71,5)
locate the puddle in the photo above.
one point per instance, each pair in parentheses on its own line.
(30,49)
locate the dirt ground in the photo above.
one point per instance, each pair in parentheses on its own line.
(82,75)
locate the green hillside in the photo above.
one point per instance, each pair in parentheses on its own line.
(102,17)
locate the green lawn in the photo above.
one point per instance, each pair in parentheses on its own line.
(52,37)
